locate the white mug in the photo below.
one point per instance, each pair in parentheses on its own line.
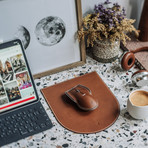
(138,110)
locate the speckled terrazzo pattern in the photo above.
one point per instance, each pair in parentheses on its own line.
(125,132)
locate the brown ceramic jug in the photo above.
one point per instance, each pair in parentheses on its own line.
(143,24)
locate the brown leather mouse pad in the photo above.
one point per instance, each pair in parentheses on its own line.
(71,117)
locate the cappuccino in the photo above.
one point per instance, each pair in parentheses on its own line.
(139,98)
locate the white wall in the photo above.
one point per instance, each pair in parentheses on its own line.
(133,7)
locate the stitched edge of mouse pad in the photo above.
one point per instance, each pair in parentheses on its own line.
(74,119)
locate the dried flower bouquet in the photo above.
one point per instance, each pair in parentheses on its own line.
(107,22)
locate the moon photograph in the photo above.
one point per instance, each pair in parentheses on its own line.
(23,34)
(50,30)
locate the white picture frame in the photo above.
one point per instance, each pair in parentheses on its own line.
(48,31)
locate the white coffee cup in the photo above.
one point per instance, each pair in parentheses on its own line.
(137,104)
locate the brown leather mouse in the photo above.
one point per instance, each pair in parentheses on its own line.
(83,97)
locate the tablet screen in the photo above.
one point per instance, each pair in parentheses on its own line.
(16,87)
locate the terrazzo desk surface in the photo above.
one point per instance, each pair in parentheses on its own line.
(125,132)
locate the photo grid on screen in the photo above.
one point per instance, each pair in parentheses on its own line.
(15,83)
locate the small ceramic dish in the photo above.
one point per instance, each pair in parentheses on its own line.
(140,78)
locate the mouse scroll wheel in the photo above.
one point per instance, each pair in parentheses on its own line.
(77,90)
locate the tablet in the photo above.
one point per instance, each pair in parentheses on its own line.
(16,84)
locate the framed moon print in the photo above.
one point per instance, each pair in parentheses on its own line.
(48,31)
